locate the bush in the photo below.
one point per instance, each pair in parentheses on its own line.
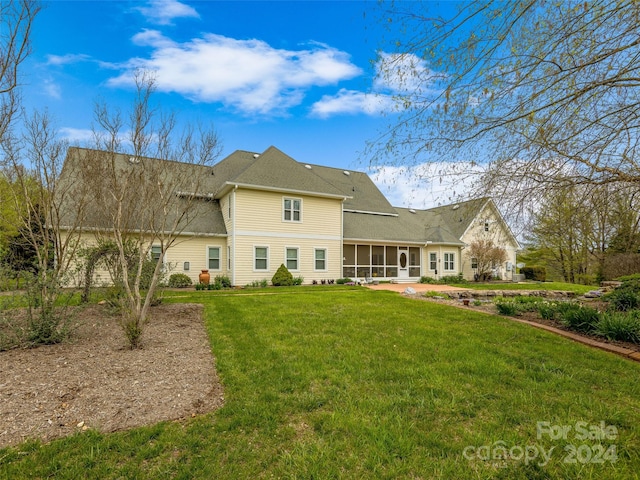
(179,280)
(627,296)
(580,318)
(507,308)
(624,326)
(282,277)
(538,274)
(298,280)
(221,281)
(548,310)
(517,305)
(453,279)
(342,281)
(428,280)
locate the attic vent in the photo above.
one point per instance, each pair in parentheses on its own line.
(347,173)
(308,167)
(134,160)
(256,155)
(411,210)
(455,207)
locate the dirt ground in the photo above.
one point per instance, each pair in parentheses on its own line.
(94,381)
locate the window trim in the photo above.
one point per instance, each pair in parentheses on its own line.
(217,247)
(449,258)
(325,260)
(151,254)
(286,258)
(255,258)
(474,263)
(291,209)
(433,264)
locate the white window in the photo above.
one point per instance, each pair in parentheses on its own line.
(261,258)
(320,257)
(474,263)
(156,251)
(292,211)
(433,264)
(229,257)
(449,262)
(213,258)
(292,258)
(486,226)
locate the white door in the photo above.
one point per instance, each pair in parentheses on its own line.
(403,263)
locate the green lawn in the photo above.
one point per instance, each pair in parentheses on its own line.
(344,382)
(567,287)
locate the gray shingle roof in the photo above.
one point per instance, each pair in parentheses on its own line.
(368,215)
(205,218)
(275,170)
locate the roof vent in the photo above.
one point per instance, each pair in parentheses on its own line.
(455,207)
(256,155)
(134,160)
(347,173)
(308,167)
(411,210)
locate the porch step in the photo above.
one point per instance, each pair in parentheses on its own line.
(404,280)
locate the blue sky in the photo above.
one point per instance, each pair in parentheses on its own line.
(297,75)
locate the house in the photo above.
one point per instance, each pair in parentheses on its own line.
(259,211)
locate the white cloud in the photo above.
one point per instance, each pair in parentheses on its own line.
(425,185)
(395,75)
(351,102)
(70,58)
(52,89)
(406,73)
(248,75)
(77,136)
(162,12)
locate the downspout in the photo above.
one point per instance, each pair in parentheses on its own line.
(342,239)
(232,199)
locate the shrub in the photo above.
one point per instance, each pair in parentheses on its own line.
(517,305)
(453,279)
(342,281)
(580,318)
(282,277)
(623,326)
(626,296)
(221,281)
(538,274)
(179,280)
(507,308)
(429,280)
(623,300)
(548,310)
(298,280)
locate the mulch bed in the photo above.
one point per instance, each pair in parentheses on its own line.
(94,381)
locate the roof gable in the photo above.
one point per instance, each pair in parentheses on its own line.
(275,170)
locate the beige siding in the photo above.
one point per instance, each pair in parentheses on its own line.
(498,232)
(187,249)
(440,251)
(258,211)
(259,222)
(195,251)
(244,262)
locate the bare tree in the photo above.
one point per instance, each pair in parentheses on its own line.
(16,22)
(149,185)
(487,255)
(539,94)
(43,202)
